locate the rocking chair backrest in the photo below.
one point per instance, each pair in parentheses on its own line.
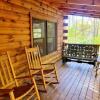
(19,65)
(9,79)
(6,73)
(33,57)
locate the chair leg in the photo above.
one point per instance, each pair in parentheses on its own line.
(56,73)
(96,73)
(12,95)
(97,67)
(44,82)
(36,89)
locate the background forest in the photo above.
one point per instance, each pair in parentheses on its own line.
(85,30)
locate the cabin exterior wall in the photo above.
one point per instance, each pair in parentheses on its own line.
(15,23)
(15,32)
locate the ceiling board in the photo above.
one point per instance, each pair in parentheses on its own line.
(80,1)
(83,6)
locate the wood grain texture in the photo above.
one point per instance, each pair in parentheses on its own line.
(14,20)
(76,82)
(15,27)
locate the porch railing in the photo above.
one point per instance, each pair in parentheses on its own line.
(80,52)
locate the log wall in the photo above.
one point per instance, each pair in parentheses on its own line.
(15,26)
(14,21)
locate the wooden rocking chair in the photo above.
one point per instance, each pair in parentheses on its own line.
(11,86)
(47,72)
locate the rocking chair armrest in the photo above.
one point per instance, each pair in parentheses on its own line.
(48,63)
(21,77)
(5,91)
(35,69)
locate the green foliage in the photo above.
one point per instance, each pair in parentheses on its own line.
(84,32)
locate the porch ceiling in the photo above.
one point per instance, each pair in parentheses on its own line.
(80,7)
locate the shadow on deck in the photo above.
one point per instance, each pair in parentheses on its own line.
(77,82)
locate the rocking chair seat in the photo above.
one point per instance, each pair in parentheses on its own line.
(48,71)
(4,92)
(18,91)
(45,70)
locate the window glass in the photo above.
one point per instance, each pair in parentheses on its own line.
(44,35)
(51,36)
(51,29)
(39,35)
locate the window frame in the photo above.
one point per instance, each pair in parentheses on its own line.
(46,35)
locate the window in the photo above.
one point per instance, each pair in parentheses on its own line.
(44,35)
(39,34)
(83,30)
(51,36)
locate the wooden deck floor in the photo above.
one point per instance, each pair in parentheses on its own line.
(77,82)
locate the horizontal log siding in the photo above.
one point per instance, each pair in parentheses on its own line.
(15,25)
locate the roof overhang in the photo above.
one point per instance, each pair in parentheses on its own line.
(77,7)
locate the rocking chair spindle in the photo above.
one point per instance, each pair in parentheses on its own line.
(47,72)
(10,85)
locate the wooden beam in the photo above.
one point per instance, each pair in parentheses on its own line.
(75,4)
(79,12)
(55,1)
(67,12)
(84,4)
(66,2)
(82,10)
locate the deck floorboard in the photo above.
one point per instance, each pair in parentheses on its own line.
(76,82)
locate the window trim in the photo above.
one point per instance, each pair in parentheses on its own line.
(31,17)
(30,27)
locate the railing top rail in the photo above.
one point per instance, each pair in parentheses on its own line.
(81,44)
